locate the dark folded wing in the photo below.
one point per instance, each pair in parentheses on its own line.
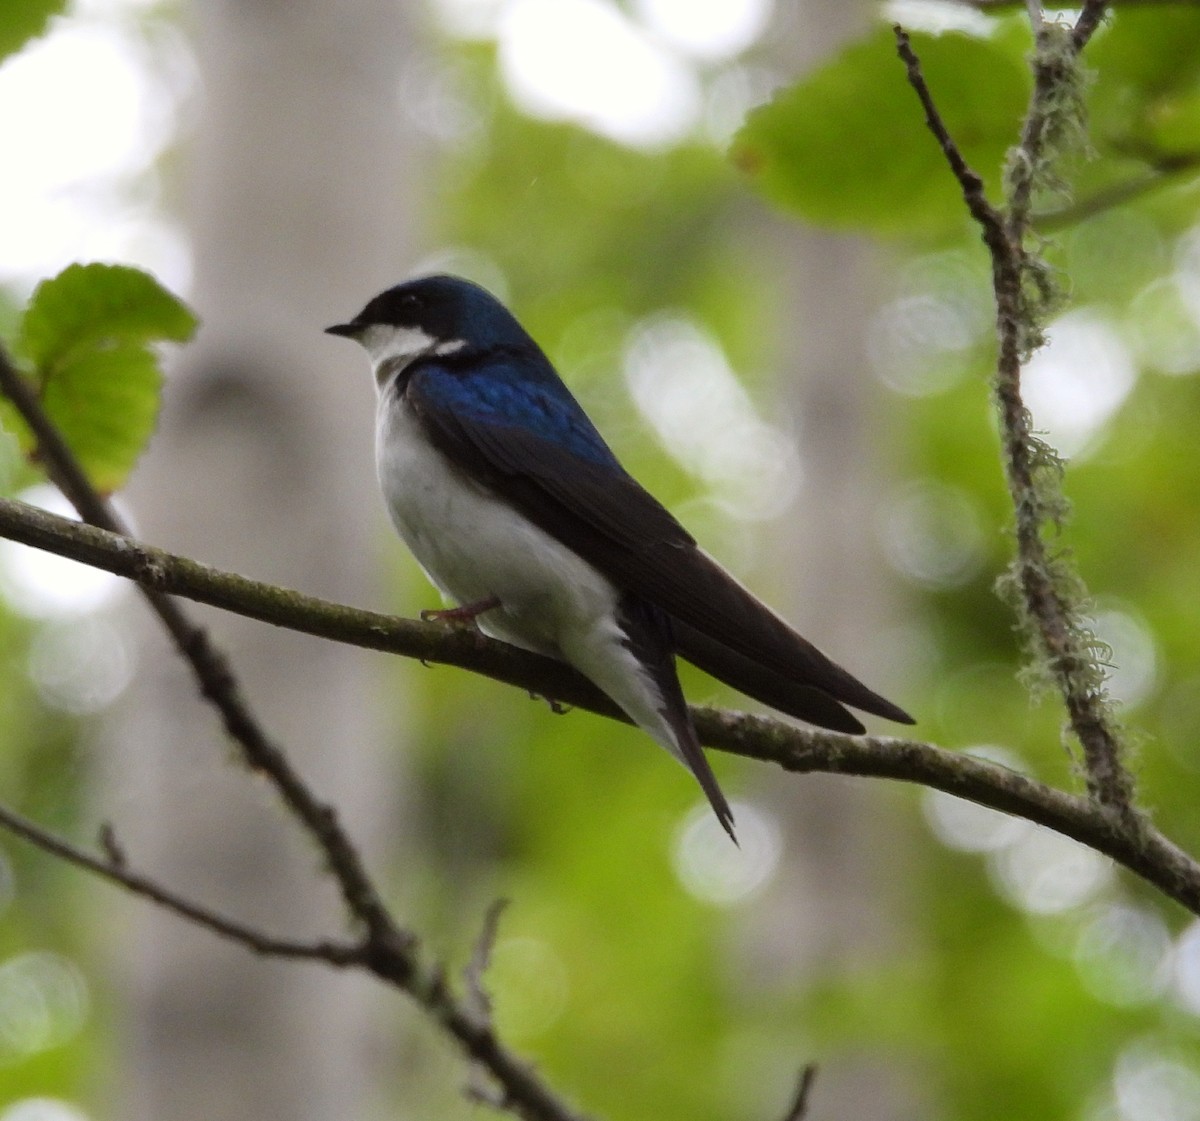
(562,476)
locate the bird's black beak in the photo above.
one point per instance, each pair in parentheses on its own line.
(346,330)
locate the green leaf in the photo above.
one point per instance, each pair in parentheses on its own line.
(24,20)
(87,335)
(848,145)
(90,307)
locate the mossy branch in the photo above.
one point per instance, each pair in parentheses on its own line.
(1050,596)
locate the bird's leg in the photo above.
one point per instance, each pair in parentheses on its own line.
(556,707)
(465,613)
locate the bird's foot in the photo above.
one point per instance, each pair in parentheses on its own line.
(465,613)
(556,707)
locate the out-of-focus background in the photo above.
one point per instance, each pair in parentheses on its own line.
(812,403)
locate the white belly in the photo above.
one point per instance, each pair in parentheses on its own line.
(473,546)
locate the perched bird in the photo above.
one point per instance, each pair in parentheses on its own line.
(519,512)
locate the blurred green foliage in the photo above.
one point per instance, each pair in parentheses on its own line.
(634,994)
(23,20)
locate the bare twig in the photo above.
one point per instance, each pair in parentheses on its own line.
(798,1110)
(477,997)
(1150,856)
(115,869)
(969,180)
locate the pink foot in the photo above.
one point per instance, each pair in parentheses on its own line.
(465,613)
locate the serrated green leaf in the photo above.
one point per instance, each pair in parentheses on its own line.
(87,335)
(88,307)
(848,145)
(105,403)
(24,20)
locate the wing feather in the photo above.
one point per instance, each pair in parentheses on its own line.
(559,472)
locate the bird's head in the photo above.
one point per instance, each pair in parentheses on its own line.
(431,315)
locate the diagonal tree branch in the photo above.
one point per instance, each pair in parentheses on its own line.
(386,950)
(113,868)
(1149,854)
(210,666)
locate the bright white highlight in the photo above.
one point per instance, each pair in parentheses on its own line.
(43,1109)
(1187,969)
(43,1003)
(938,16)
(683,385)
(707,29)
(1123,954)
(933,534)
(1151,1084)
(81,115)
(1046,873)
(80,666)
(1134,670)
(44,586)
(969,827)
(584,61)
(714,870)
(1077,381)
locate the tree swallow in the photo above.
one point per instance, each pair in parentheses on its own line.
(520,514)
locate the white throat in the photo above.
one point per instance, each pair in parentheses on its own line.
(393,348)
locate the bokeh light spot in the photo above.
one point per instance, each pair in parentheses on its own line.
(43,1003)
(933,534)
(683,385)
(1133,670)
(1151,1084)
(42,585)
(1045,873)
(707,29)
(530,984)
(585,61)
(1123,953)
(712,868)
(81,666)
(43,1109)
(1078,380)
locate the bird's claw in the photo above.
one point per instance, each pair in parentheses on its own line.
(556,707)
(465,614)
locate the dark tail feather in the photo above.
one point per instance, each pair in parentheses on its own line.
(814,700)
(650,638)
(675,710)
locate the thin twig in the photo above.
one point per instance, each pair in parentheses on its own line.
(117,871)
(969,180)
(477,996)
(1089,22)
(1151,856)
(798,1110)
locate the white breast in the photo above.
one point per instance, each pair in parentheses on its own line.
(472,545)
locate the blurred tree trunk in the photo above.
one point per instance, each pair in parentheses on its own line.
(834,907)
(263,464)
